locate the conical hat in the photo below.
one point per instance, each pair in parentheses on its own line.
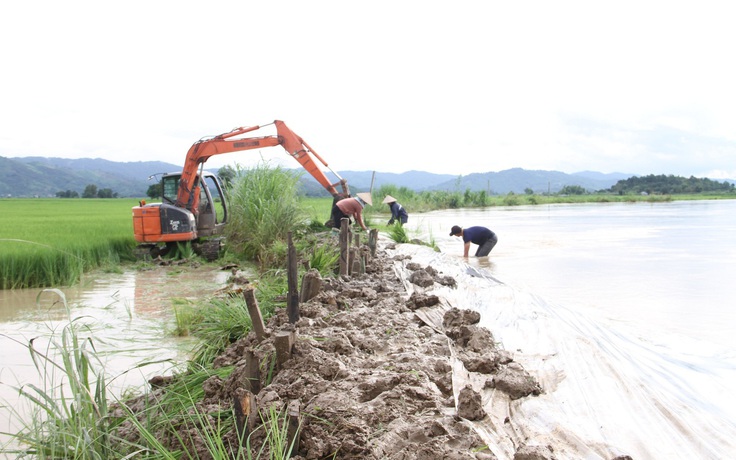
(365,197)
(388,199)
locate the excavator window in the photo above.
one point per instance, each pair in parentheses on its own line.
(217,199)
(170,187)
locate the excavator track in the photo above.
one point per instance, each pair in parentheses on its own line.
(208,249)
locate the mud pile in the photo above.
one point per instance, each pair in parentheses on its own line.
(374,371)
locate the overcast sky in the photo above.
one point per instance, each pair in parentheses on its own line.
(639,87)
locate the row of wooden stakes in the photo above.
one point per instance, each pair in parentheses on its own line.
(352,262)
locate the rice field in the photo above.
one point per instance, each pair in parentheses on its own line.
(52,241)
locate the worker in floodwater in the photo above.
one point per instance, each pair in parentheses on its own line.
(484,237)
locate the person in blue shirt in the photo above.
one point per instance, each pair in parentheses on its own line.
(397,211)
(483,237)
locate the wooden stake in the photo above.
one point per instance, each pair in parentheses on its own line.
(293,429)
(252,372)
(255,313)
(344,246)
(292,306)
(311,285)
(373,241)
(354,261)
(246,412)
(283,341)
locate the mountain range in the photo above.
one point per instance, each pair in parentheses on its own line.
(45,176)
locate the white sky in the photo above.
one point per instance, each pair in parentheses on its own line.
(640,87)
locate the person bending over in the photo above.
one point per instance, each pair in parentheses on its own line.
(397,211)
(482,236)
(351,208)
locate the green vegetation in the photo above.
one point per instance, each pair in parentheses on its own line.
(398,233)
(428,201)
(51,242)
(667,185)
(90,191)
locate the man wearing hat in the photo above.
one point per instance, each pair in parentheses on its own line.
(351,208)
(483,237)
(397,211)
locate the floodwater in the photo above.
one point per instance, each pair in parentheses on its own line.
(130,317)
(625,313)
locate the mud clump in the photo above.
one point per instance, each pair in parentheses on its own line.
(370,378)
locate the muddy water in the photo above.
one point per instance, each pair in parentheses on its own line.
(130,317)
(667,266)
(624,313)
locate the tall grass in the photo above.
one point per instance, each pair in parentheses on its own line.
(52,242)
(264,208)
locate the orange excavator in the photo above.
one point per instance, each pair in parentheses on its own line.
(194,206)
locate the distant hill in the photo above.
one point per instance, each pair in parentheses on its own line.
(44,177)
(518,180)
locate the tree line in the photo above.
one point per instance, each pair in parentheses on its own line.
(90,191)
(669,185)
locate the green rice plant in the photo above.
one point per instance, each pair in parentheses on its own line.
(319,210)
(51,242)
(398,233)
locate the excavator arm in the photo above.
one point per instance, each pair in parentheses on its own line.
(294,145)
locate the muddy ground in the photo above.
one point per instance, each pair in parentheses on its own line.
(373,372)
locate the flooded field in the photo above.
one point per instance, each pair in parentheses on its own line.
(130,316)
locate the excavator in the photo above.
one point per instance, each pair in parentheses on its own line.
(193,204)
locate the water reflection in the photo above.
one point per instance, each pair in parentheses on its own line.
(129,316)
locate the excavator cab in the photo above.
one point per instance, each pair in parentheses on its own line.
(160,226)
(211,206)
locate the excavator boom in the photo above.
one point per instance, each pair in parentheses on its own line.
(294,145)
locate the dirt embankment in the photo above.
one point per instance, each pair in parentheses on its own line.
(373,371)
